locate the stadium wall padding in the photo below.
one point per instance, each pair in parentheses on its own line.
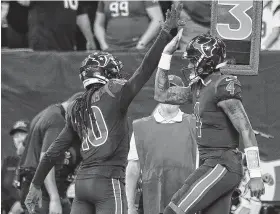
(33,80)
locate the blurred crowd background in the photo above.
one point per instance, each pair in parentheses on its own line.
(72,25)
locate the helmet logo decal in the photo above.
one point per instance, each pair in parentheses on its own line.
(99,60)
(207,48)
(102,60)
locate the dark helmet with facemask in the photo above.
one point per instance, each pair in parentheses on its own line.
(99,67)
(207,53)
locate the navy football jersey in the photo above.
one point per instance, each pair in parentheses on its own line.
(213,127)
(107,139)
(105,145)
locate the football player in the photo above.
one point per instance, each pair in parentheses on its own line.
(220,121)
(99,119)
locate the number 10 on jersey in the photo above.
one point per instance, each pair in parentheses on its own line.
(97,132)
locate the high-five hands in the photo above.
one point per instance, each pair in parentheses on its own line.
(173,45)
(173,17)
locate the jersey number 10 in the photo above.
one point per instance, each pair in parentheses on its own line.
(71,4)
(97,133)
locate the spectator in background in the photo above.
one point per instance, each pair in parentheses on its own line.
(44,129)
(19,133)
(127,24)
(10,200)
(14,16)
(163,147)
(52,25)
(270,36)
(90,7)
(198,18)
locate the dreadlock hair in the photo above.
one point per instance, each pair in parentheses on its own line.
(81,110)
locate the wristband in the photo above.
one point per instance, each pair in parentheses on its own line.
(165,61)
(253,161)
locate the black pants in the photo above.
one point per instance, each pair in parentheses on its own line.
(100,195)
(208,190)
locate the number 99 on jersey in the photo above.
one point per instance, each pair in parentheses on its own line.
(238,24)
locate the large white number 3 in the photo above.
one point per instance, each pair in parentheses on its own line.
(72,4)
(98,136)
(239,13)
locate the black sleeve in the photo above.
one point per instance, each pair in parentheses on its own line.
(62,143)
(82,9)
(145,70)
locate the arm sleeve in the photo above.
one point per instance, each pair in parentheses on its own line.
(82,9)
(228,88)
(145,70)
(55,151)
(100,7)
(52,132)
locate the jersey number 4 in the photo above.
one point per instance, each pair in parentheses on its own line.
(230,87)
(97,134)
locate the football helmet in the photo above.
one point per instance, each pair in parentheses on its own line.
(99,67)
(207,53)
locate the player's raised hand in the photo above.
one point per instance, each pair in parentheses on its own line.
(173,17)
(33,198)
(256,187)
(173,45)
